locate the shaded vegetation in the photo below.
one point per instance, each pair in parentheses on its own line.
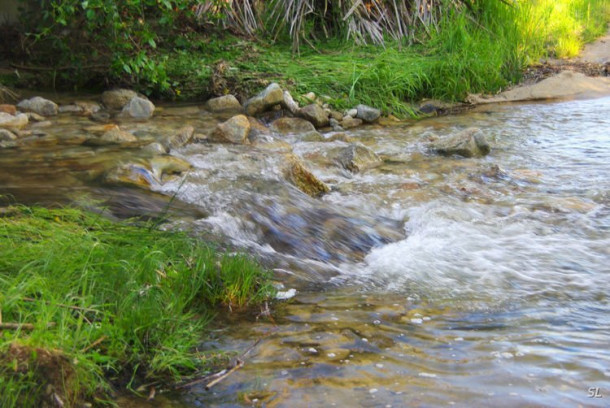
(86,302)
(380,52)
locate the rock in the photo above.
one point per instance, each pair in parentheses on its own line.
(154,148)
(270,96)
(183,137)
(342,137)
(292,125)
(39,105)
(227,103)
(10,109)
(101,116)
(100,129)
(18,121)
(73,108)
(88,108)
(352,112)
(117,98)
(234,130)
(43,124)
(338,116)
(290,104)
(467,143)
(367,114)
(357,158)
(163,165)
(131,174)
(313,136)
(34,117)
(270,143)
(257,130)
(117,136)
(310,96)
(138,108)
(348,122)
(303,179)
(315,114)
(7,135)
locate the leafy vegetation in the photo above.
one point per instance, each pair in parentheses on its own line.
(380,52)
(85,302)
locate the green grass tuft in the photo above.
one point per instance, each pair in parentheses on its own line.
(107,301)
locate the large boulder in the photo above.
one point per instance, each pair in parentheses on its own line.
(315,114)
(367,113)
(117,98)
(270,96)
(18,121)
(357,158)
(304,179)
(39,105)
(234,130)
(183,137)
(226,103)
(467,143)
(292,125)
(138,108)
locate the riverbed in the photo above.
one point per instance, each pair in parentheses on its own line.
(425,281)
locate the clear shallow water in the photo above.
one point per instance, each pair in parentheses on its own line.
(427,281)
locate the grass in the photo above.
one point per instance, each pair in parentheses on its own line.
(107,303)
(465,55)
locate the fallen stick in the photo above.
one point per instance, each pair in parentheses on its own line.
(77,308)
(21,326)
(95,343)
(238,365)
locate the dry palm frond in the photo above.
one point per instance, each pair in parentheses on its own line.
(7,95)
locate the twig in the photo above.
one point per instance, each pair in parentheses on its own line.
(84,309)
(21,326)
(95,343)
(238,365)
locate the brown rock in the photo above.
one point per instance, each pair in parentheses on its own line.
(234,130)
(315,114)
(303,179)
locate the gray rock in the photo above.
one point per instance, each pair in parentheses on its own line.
(154,148)
(34,117)
(313,136)
(352,112)
(467,143)
(357,158)
(117,98)
(7,135)
(166,165)
(315,114)
(18,121)
(117,136)
(292,125)
(100,116)
(234,130)
(73,108)
(88,108)
(348,122)
(139,108)
(270,96)
(227,103)
(289,103)
(367,114)
(183,137)
(39,105)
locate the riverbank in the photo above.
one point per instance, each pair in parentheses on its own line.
(467,51)
(90,307)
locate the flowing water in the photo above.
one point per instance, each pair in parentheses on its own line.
(426,281)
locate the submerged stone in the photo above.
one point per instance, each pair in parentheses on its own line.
(467,143)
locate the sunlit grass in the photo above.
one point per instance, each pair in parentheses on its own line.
(116,300)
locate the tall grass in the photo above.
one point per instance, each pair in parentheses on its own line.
(120,301)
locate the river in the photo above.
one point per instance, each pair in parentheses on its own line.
(426,281)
